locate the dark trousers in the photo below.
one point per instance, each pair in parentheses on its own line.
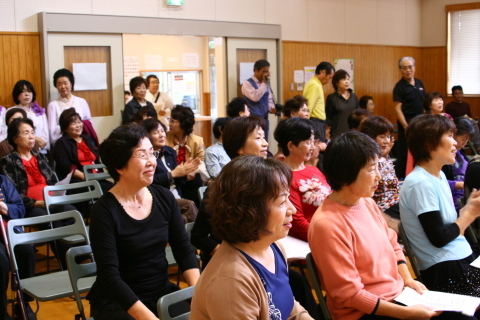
(401,153)
(26,268)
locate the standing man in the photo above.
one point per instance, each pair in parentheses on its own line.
(313,91)
(408,97)
(256,91)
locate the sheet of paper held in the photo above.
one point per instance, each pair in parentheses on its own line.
(440,301)
(62,182)
(476,263)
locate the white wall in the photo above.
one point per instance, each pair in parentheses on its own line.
(434,21)
(383,22)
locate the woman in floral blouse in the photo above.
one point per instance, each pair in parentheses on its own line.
(309,186)
(386,196)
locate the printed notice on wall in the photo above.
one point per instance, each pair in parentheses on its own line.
(90,76)
(299,76)
(246,71)
(309,73)
(131,68)
(347,65)
(190,60)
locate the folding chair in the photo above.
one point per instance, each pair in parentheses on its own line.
(201,192)
(410,253)
(53,285)
(172,298)
(80,272)
(317,285)
(188,228)
(90,175)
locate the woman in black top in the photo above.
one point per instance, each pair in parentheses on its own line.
(129,230)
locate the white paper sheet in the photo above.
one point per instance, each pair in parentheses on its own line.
(131,69)
(476,263)
(246,71)
(61,183)
(440,301)
(190,60)
(295,248)
(309,73)
(90,76)
(153,62)
(299,76)
(347,65)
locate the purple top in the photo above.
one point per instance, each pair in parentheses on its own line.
(459,168)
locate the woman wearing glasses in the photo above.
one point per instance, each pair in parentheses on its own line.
(129,230)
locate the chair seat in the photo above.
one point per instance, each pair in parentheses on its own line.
(75,239)
(54,286)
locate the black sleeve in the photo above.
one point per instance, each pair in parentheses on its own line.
(127,113)
(202,229)
(472,175)
(437,232)
(63,162)
(448,170)
(330,111)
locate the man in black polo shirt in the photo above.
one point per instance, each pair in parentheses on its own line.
(408,97)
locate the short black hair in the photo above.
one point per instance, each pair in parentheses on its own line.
(136,82)
(236,132)
(150,77)
(327,66)
(11,112)
(364,101)
(424,135)
(254,181)
(146,110)
(185,116)
(64,73)
(18,89)
(464,126)
(235,106)
(151,124)
(356,117)
(345,156)
(376,125)
(428,98)
(127,92)
(293,129)
(14,130)
(456,88)
(294,105)
(259,64)
(67,117)
(116,150)
(339,75)
(218,126)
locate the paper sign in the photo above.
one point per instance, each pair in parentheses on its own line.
(299,76)
(131,69)
(190,60)
(347,65)
(90,76)
(153,62)
(309,73)
(246,71)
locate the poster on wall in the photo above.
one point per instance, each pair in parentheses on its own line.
(246,71)
(90,76)
(131,68)
(309,73)
(190,60)
(347,65)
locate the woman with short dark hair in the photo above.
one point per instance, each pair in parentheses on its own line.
(361,265)
(296,107)
(246,277)
(130,227)
(433,104)
(24,95)
(366,103)
(431,223)
(64,81)
(138,88)
(340,104)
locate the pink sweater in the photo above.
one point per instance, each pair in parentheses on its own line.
(357,256)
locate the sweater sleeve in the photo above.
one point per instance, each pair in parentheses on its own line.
(53,125)
(212,163)
(299,223)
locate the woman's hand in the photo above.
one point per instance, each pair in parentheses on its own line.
(186,168)
(419,312)
(39,204)
(473,204)
(41,143)
(416,285)
(140,312)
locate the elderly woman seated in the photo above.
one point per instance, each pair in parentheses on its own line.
(215,156)
(246,277)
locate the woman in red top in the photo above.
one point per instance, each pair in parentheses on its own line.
(309,186)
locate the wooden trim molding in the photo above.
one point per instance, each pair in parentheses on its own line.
(19,33)
(462,6)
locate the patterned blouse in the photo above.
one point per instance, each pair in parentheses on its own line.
(388,189)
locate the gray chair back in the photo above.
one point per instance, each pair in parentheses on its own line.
(172,298)
(317,285)
(410,253)
(78,271)
(89,175)
(94,192)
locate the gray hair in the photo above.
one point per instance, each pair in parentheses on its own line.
(405,58)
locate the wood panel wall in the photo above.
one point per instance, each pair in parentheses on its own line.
(19,60)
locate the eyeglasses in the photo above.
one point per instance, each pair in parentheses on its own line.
(407,67)
(27,133)
(146,155)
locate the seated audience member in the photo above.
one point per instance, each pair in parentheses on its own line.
(11,207)
(215,156)
(309,187)
(142,114)
(356,118)
(246,277)
(366,103)
(386,196)
(12,114)
(24,96)
(433,104)
(431,223)
(138,87)
(30,172)
(127,96)
(458,107)
(296,107)
(362,268)
(74,150)
(64,81)
(455,173)
(167,173)
(129,231)
(318,146)
(187,146)
(237,108)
